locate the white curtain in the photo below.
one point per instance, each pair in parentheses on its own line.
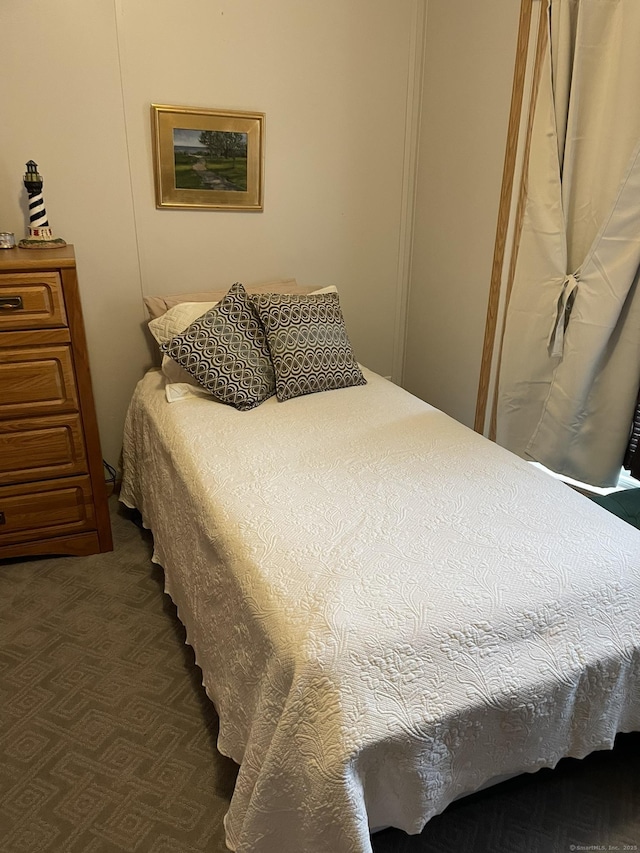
(570,368)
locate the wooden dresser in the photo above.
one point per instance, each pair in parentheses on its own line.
(52,489)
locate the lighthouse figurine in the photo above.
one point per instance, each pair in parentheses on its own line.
(40,235)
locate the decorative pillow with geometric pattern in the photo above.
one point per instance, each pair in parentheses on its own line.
(226,350)
(308,341)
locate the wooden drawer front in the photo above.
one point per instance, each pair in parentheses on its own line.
(31,301)
(37,380)
(39,448)
(42,510)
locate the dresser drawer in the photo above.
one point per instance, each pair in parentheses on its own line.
(42,510)
(36,381)
(31,301)
(39,448)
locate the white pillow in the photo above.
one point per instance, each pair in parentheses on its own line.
(177,319)
(179,384)
(331,289)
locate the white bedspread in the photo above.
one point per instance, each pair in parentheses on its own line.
(388,609)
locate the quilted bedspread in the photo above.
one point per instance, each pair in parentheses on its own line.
(389,610)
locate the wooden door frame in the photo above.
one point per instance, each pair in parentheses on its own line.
(505,205)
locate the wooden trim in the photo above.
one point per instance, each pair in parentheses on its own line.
(541,45)
(504,208)
(36,259)
(79,545)
(33,338)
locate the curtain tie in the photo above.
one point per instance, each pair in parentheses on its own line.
(563,312)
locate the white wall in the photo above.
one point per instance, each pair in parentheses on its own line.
(468,73)
(61,105)
(333,79)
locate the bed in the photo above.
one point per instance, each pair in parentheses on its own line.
(389,611)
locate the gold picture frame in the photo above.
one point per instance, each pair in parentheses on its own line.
(211,159)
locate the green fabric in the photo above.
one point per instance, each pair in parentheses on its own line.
(625,504)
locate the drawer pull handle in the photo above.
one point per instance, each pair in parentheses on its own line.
(10,303)
(3,520)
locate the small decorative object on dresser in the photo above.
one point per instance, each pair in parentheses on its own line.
(52,491)
(40,234)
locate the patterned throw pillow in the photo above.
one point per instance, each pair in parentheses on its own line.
(308,341)
(226,351)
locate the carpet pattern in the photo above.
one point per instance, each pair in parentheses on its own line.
(108,742)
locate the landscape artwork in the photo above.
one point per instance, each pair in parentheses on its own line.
(210,160)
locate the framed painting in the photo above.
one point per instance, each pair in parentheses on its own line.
(208,158)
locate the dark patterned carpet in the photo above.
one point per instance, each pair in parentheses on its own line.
(107,741)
